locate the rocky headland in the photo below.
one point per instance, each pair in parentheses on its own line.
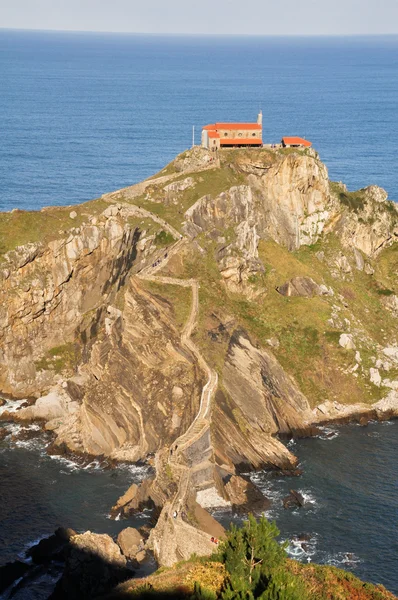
(196,320)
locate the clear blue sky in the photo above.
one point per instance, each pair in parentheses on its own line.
(302,17)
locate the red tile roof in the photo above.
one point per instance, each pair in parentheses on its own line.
(238,141)
(233,126)
(296,141)
(213,134)
(238,126)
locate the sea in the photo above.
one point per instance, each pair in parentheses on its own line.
(83,114)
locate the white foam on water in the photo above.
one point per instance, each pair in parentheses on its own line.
(32,444)
(302,549)
(13,428)
(94,465)
(11,406)
(343,559)
(309,497)
(137,471)
(67,463)
(328,433)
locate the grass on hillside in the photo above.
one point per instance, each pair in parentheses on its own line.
(309,346)
(179,299)
(20,227)
(60,358)
(211,182)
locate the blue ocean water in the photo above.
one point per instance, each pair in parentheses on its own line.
(83,114)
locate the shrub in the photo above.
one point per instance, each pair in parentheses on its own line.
(255,563)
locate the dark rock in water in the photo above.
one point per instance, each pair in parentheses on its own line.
(245,496)
(302,537)
(10,572)
(37,579)
(3,433)
(293,500)
(286,473)
(51,548)
(94,566)
(135,499)
(26,434)
(364,421)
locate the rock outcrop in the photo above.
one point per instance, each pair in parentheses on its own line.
(259,401)
(94,566)
(372,222)
(137,335)
(49,294)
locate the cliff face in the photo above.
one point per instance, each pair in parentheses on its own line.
(104,348)
(50,291)
(139,389)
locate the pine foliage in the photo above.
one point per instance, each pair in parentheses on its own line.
(255,563)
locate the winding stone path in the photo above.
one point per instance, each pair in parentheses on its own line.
(171,518)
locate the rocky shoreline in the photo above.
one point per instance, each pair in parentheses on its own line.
(85,562)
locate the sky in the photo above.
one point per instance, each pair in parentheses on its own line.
(252,17)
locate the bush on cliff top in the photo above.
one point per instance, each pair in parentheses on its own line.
(250,564)
(255,564)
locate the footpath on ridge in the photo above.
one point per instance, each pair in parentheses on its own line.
(194,540)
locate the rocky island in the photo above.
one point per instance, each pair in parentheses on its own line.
(198,319)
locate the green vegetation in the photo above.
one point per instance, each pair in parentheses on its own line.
(211,182)
(163,238)
(249,565)
(255,564)
(60,358)
(20,227)
(353,200)
(178,298)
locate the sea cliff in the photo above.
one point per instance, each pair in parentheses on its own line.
(199,318)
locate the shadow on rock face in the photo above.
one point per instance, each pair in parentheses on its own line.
(94,565)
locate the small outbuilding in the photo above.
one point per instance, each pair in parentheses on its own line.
(295,142)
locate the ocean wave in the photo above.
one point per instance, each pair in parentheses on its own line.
(11,406)
(343,559)
(302,548)
(328,433)
(309,498)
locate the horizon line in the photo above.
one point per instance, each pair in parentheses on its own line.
(198,34)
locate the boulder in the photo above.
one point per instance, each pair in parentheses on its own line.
(346,341)
(392,353)
(359,261)
(293,500)
(391,304)
(135,499)
(300,286)
(50,547)
(245,496)
(375,376)
(130,542)
(94,566)
(52,406)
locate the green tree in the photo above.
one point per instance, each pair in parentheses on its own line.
(255,564)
